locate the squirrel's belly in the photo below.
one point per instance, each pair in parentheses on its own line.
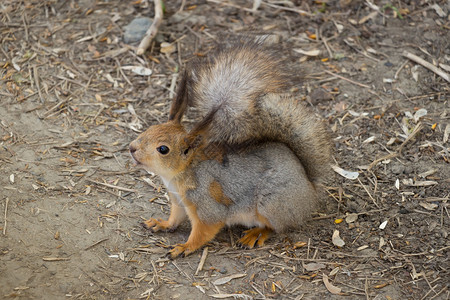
(248,219)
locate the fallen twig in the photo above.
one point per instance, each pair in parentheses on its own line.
(397,152)
(95,244)
(349,80)
(113,186)
(6,210)
(427,65)
(232,5)
(153,30)
(202,260)
(299,11)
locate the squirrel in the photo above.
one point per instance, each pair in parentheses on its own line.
(256,157)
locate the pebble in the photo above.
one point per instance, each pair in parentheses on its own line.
(397,169)
(135,31)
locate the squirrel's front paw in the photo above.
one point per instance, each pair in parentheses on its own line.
(156,225)
(180,249)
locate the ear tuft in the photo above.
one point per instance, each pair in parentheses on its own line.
(180,103)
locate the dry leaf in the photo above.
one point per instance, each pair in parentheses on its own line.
(167,48)
(427,173)
(314,266)
(331,288)
(336,239)
(299,244)
(368,17)
(369,140)
(410,182)
(139,70)
(351,218)
(428,206)
(383,225)
(345,173)
(419,114)
(334,271)
(339,27)
(226,279)
(438,10)
(446,134)
(314,52)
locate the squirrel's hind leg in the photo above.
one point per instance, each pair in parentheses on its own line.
(257,235)
(177,215)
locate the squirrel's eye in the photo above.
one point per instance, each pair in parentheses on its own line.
(163,149)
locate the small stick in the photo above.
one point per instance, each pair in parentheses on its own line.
(202,260)
(399,69)
(95,244)
(415,131)
(153,30)
(368,193)
(397,152)
(232,5)
(113,186)
(36,79)
(172,85)
(299,11)
(183,3)
(349,80)
(6,210)
(24,20)
(427,65)
(45,115)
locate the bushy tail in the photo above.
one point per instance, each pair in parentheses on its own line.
(280,118)
(244,86)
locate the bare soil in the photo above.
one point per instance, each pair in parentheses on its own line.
(71,203)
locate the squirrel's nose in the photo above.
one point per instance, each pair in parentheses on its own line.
(132,148)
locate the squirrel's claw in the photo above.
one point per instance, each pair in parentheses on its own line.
(180,249)
(156,225)
(255,236)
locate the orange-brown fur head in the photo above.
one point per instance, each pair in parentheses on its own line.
(165,149)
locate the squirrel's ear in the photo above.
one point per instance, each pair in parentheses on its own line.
(180,103)
(192,142)
(199,133)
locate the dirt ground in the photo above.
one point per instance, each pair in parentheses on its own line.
(71,203)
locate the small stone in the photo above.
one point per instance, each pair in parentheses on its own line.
(397,169)
(135,31)
(319,95)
